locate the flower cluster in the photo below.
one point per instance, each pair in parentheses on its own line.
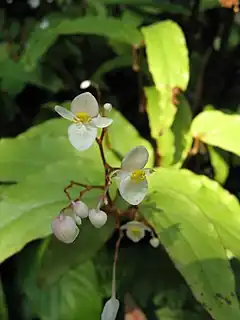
(131,178)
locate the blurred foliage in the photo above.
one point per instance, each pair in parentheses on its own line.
(171,69)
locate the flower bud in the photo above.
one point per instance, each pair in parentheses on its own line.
(154,242)
(78,220)
(80,209)
(110,309)
(107,106)
(98,218)
(85,84)
(65,228)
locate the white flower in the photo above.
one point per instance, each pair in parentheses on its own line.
(80,209)
(110,309)
(86,119)
(34,3)
(97,217)
(154,242)
(135,230)
(133,185)
(65,228)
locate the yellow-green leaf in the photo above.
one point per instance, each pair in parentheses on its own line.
(168,61)
(218,129)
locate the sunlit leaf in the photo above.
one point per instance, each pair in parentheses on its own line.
(220,165)
(27,209)
(218,129)
(41,145)
(175,142)
(199,221)
(122,136)
(168,63)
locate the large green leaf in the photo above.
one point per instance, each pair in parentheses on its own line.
(75,296)
(218,129)
(27,209)
(199,220)
(168,63)
(123,136)
(42,145)
(54,263)
(41,39)
(219,164)
(173,143)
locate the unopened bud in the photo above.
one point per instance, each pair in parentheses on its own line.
(110,309)
(85,84)
(65,228)
(107,107)
(98,218)
(80,209)
(154,242)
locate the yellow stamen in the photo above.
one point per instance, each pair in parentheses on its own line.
(136,232)
(138,176)
(82,117)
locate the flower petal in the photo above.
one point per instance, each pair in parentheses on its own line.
(85,102)
(110,309)
(133,192)
(101,122)
(65,113)
(135,159)
(65,228)
(81,136)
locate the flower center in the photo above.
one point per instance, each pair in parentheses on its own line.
(138,176)
(82,117)
(136,232)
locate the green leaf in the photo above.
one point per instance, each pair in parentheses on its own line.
(199,220)
(74,296)
(173,143)
(27,209)
(172,314)
(220,165)
(41,40)
(32,150)
(168,63)
(123,136)
(218,129)
(53,258)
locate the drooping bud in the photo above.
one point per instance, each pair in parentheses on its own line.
(65,228)
(110,309)
(85,84)
(78,220)
(80,209)
(107,106)
(154,242)
(98,218)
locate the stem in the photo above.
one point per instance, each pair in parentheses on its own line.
(115,264)
(83,185)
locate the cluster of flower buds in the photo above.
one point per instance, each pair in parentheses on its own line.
(65,226)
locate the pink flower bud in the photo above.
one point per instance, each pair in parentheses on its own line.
(65,228)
